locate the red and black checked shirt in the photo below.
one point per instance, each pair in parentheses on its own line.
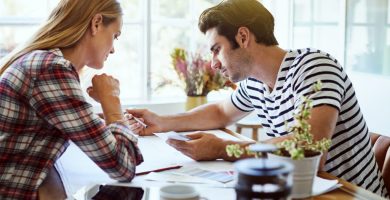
(42,108)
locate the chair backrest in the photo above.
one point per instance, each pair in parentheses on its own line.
(380,145)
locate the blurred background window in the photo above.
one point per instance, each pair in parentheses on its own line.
(356,32)
(368,39)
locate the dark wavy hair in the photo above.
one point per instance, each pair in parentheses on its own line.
(229,15)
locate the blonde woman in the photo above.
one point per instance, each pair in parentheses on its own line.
(42,107)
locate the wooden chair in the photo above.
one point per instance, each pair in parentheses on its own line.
(380,145)
(254,125)
(52,187)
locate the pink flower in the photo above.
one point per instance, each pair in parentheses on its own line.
(197,74)
(181,67)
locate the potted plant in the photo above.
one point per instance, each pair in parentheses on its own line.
(301,149)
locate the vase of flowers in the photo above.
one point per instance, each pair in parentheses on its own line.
(195,101)
(196,77)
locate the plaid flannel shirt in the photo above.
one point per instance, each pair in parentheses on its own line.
(42,108)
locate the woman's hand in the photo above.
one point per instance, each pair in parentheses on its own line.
(103,86)
(105,89)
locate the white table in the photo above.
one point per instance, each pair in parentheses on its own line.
(77,170)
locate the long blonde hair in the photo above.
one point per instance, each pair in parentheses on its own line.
(66,25)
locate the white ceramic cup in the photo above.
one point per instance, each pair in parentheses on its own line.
(176,192)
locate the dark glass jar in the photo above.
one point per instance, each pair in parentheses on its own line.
(263,179)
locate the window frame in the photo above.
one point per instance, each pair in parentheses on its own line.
(146,21)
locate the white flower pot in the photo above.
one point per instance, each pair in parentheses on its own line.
(303,174)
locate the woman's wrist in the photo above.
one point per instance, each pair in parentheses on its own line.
(114,117)
(112,109)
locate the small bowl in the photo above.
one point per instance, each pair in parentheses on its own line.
(183,192)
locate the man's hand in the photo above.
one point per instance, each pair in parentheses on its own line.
(151,119)
(135,126)
(202,146)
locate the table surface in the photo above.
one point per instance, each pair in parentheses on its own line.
(347,191)
(156,153)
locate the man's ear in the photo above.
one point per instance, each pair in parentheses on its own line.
(242,37)
(96,23)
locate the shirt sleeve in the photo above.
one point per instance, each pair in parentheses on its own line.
(58,98)
(240,98)
(331,75)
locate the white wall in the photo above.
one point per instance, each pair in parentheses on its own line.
(373,93)
(162,108)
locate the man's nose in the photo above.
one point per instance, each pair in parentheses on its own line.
(215,64)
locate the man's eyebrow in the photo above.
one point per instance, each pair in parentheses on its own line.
(213,47)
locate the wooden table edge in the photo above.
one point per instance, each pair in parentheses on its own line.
(239,136)
(352,189)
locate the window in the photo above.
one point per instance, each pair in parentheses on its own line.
(151,29)
(313,26)
(127,64)
(142,58)
(357,33)
(368,36)
(16,21)
(172,28)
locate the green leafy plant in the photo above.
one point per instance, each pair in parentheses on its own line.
(301,144)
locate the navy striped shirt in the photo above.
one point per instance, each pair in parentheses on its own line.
(350,156)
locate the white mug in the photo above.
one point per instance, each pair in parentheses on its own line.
(176,192)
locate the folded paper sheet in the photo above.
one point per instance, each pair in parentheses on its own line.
(322,186)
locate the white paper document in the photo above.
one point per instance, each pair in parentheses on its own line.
(179,178)
(77,169)
(174,135)
(222,177)
(321,186)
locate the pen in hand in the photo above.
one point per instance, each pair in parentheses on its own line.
(141,122)
(136,119)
